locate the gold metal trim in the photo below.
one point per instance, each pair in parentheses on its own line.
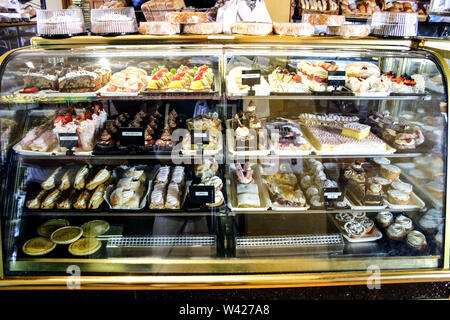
(440,55)
(17,24)
(223,265)
(38,42)
(226,281)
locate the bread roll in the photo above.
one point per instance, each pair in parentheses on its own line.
(186,17)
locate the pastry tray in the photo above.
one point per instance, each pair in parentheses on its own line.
(277,207)
(230,145)
(151,173)
(232,195)
(373,235)
(182,197)
(182,92)
(389,151)
(414,203)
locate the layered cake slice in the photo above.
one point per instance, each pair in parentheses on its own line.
(356,130)
(44,81)
(79,81)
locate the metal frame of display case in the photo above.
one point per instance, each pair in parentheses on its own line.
(232,272)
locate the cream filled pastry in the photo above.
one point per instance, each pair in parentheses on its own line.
(396,231)
(405,222)
(385,218)
(416,239)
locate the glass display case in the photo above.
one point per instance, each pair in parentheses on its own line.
(224,163)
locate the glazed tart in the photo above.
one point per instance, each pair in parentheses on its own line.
(402,186)
(85,246)
(38,246)
(390,171)
(47,228)
(95,228)
(66,235)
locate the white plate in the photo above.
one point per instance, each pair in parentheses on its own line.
(389,150)
(291,153)
(18,148)
(378,234)
(57,94)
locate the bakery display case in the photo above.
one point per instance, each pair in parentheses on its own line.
(225,163)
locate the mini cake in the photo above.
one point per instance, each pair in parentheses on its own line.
(402,186)
(385,218)
(397,197)
(416,240)
(380,161)
(405,222)
(390,172)
(356,130)
(396,232)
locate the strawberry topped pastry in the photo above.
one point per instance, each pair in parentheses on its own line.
(182,78)
(364,77)
(131,80)
(86,122)
(203,78)
(316,73)
(159,79)
(281,80)
(406,84)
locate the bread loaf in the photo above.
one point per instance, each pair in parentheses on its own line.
(252,28)
(293,29)
(149,7)
(318,19)
(158,28)
(186,17)
(203,28)
(351,30)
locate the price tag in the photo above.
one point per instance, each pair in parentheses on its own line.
(336,78)
(199,137)
(131,136)
(201,194)
(68,140)
(251,77)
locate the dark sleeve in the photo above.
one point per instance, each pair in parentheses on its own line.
(200,3)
